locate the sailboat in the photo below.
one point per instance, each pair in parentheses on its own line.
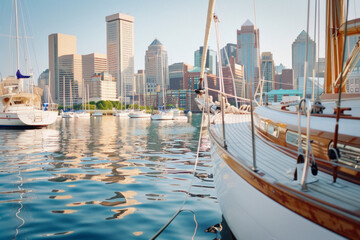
(291,171)
(140,113)
(23,109)
(83,113)
(67,114)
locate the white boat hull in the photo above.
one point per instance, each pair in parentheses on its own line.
(250,214)
(139,115)
(163,116)
(36,118)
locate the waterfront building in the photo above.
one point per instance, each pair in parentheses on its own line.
(299,56)
(102,87)
(59,45)
(177,73)
(236,71)
(230,50)
(267,71)
(156,68)
(70,79)
(120,51)
(247,54)
(192,78)
(211,60)
(353,83)
(93,63)
(139,81)
(284,80)
(276,95)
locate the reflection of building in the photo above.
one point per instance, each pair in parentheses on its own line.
(59,45)
(93,63)
(70,79)
(267,71)
(230,49)
(247,54)
(177,75)
(298,57)
(156,67)
(211,59)
(102,87)
(120,51)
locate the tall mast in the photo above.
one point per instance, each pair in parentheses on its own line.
(17,37)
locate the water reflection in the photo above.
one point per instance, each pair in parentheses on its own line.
(131,170)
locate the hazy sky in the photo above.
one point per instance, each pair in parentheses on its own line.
(179,25)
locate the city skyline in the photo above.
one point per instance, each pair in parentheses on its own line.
(186,19)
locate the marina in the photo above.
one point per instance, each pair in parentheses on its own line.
(113,177)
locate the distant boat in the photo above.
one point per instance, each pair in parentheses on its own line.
(163,115)
(81,114)
(139,114)
(97,114)
(68,114)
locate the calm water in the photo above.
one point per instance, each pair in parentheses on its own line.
(104,178)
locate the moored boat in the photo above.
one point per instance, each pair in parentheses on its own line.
(291,171)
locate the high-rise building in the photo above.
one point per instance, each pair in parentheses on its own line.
(353,83)
(267,71)
(279,68)
(177,75)
(247,54)
(227,52)
(59,45)
(70,79)
(91,64)
(211,60)
(156,68)
(120,51)
(140,82)
(299,56)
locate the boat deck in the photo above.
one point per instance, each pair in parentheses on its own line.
(278,168)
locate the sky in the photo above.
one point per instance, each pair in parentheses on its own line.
(178,25)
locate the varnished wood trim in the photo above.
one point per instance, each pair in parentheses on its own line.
(312,209)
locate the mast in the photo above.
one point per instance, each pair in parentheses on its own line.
(64,93)
(17,37)
(209,19)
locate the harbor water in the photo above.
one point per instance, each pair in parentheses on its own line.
(105,178)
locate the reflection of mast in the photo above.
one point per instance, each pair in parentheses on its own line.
(64,93)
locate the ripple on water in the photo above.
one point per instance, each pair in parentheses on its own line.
(104,178)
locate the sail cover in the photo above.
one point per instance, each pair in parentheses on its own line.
(19,75)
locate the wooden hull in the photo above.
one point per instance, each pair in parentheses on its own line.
(253,213)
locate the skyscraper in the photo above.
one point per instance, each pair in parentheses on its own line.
(91,64)
(156,67)
(120,51)
(230,49)
(70,79)
(299,56)
(177,75)
(211,59)
(247,54)
(59,45)
(267,71)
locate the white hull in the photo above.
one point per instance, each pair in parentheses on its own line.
(139,115)
(122,114)
(82,115)
(97,114)
(35,118)
(252,215)
(67,115)
(162,116)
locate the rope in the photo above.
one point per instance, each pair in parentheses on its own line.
(189,189)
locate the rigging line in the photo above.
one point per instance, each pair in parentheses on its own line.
(190,186)
(318,49)
(257,43)
(314,55)
(306,50)
(338,103)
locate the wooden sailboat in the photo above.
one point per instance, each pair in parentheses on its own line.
(286,173)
